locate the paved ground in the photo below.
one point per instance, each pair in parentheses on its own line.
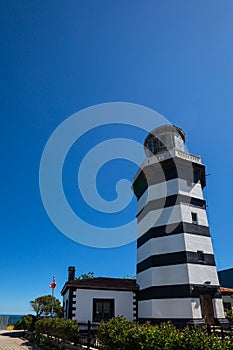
(10,340)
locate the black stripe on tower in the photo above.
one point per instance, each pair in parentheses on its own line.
(170,201)
(173,229)
(184,257)
(178,291)
(168,170)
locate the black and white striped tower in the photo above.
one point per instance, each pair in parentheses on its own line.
(176,268)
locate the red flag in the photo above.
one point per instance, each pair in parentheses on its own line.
(53,284)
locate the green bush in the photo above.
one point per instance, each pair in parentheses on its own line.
(198,339)
(120,334)
(58,328)
(44,343)
(117,333)
(26,322)
(229,316)
(151,337)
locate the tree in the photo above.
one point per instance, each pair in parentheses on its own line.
(26,322)
(129,277)
(86,276)
(43,305)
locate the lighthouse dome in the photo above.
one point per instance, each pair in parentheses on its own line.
(164,138)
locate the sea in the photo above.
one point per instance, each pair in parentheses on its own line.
(7,320)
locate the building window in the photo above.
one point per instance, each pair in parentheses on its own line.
(194,218)
(200,255)
(103,309)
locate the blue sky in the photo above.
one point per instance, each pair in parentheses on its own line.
(57,58)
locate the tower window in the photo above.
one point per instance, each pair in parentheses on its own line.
(194,218)
(200,255)
(157,147)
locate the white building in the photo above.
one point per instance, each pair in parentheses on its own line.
(99,298)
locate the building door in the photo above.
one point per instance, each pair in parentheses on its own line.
(207,308)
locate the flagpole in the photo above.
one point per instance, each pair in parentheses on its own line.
(52,302)
(52,286)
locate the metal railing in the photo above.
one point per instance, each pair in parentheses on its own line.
(3,321)
(220,331)
(87,335)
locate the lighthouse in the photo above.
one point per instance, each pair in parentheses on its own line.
(176,268)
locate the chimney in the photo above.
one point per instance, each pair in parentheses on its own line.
(71,273)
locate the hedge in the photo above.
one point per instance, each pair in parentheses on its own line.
(120,334)
(26,322)
(58,328)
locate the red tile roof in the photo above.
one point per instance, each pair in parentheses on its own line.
(226,290)
(120,284)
